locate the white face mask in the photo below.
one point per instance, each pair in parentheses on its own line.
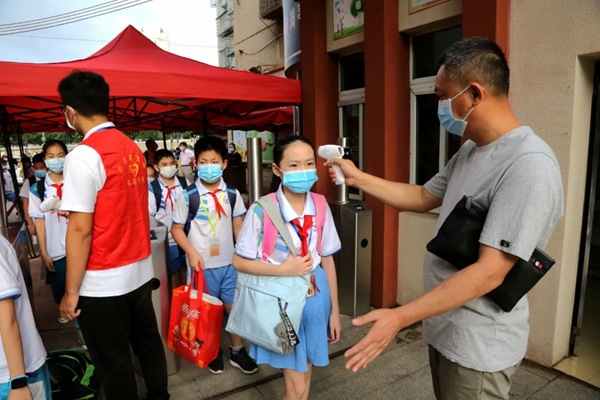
(168,172)
(67,118)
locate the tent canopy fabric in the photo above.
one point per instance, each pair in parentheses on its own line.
(150,89)
(270,120)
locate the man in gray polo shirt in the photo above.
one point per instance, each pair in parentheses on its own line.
(474,346)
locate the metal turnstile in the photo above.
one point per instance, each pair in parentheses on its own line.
(353,220)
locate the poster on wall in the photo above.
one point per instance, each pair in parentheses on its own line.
(267,143)
(348,17)
(420,5)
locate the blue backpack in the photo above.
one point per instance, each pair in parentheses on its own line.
(194,203)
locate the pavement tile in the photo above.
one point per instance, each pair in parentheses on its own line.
(567,388)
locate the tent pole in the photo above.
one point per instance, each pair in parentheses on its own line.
(12,166)
(3,216)
(164,135)
(204,123)
(20,201)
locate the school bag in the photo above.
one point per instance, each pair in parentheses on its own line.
(157,189)
(267,310)
(194,203)
(39,189)
(72,375)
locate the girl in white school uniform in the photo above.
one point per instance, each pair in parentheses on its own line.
(295,163)
(50,227)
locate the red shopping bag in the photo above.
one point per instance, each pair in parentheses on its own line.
(195,322)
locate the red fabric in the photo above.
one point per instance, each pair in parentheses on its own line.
(150,88)
(58,187)
(194,323)
(121,231)
(260,120)
(303,232)
(218,205)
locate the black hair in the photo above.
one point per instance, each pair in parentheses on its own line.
(53,142)
(208,143)
(283,143)
(85,91)
(38,158)
(183,144)
(477,59)
(162,153)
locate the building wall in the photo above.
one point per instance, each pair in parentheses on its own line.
(258,43)
(551,91)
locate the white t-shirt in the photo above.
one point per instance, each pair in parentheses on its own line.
(201,230)
(13,286)
(186,157)
(56,226)
(8,183)
(517,179)
(167,206)
(84,178)
(249,244)
(24,192)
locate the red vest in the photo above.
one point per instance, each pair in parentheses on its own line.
(121,232)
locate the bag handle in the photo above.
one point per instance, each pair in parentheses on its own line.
(272,209)
(197,280)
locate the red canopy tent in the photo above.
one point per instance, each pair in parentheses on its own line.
(270,120)
(150,89)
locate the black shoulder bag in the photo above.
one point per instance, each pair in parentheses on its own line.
(457,242)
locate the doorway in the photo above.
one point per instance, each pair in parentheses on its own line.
(584,363)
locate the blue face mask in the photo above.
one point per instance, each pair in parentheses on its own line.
(210,173)
(55,165)
(447,120)
(299,181)
(40,173)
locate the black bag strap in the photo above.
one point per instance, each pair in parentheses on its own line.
(41,188)
(157,190)
(193,205)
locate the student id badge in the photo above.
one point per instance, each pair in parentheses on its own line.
(214,246)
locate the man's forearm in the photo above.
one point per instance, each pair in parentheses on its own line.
(461,287)
(401,196)
(78,252)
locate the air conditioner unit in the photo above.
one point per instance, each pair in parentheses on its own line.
(271,9)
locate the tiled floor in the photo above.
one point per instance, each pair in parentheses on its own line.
(586,365)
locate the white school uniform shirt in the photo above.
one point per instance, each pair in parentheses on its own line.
(201,230)
(24,192)
(56,226)
(84,177)
(165,209)
(13,286)
(8,183)
(249,243)
(186,157)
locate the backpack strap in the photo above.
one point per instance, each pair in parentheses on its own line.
(31,180)
(193,205)
(157,191)
(182,181)
(232,196)
(41,188)
(321,211)
(270,230)
(272,214)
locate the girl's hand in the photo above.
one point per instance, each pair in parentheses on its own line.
(196,261)
(297,266)
(335,327)
(47,262)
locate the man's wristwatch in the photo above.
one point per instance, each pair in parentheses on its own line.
(18,382)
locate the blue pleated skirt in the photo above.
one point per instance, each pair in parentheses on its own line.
(314,327)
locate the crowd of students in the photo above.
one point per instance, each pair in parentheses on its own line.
(94,277)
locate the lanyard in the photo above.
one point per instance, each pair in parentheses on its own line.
(207,213)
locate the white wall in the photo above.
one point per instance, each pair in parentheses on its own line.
(261,41)
(553,46)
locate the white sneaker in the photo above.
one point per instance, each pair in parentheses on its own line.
(63,320)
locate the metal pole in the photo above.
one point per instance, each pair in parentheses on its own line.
(3,216)
(343,194)
(254,156)
(164,135)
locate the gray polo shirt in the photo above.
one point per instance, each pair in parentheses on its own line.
(517,178)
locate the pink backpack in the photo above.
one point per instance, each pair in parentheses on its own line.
(270,231)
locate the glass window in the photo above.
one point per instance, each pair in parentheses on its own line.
(428,138)
(352,71)
(351,128)
(428,48)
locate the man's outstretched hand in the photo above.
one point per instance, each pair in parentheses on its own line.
(386,325)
